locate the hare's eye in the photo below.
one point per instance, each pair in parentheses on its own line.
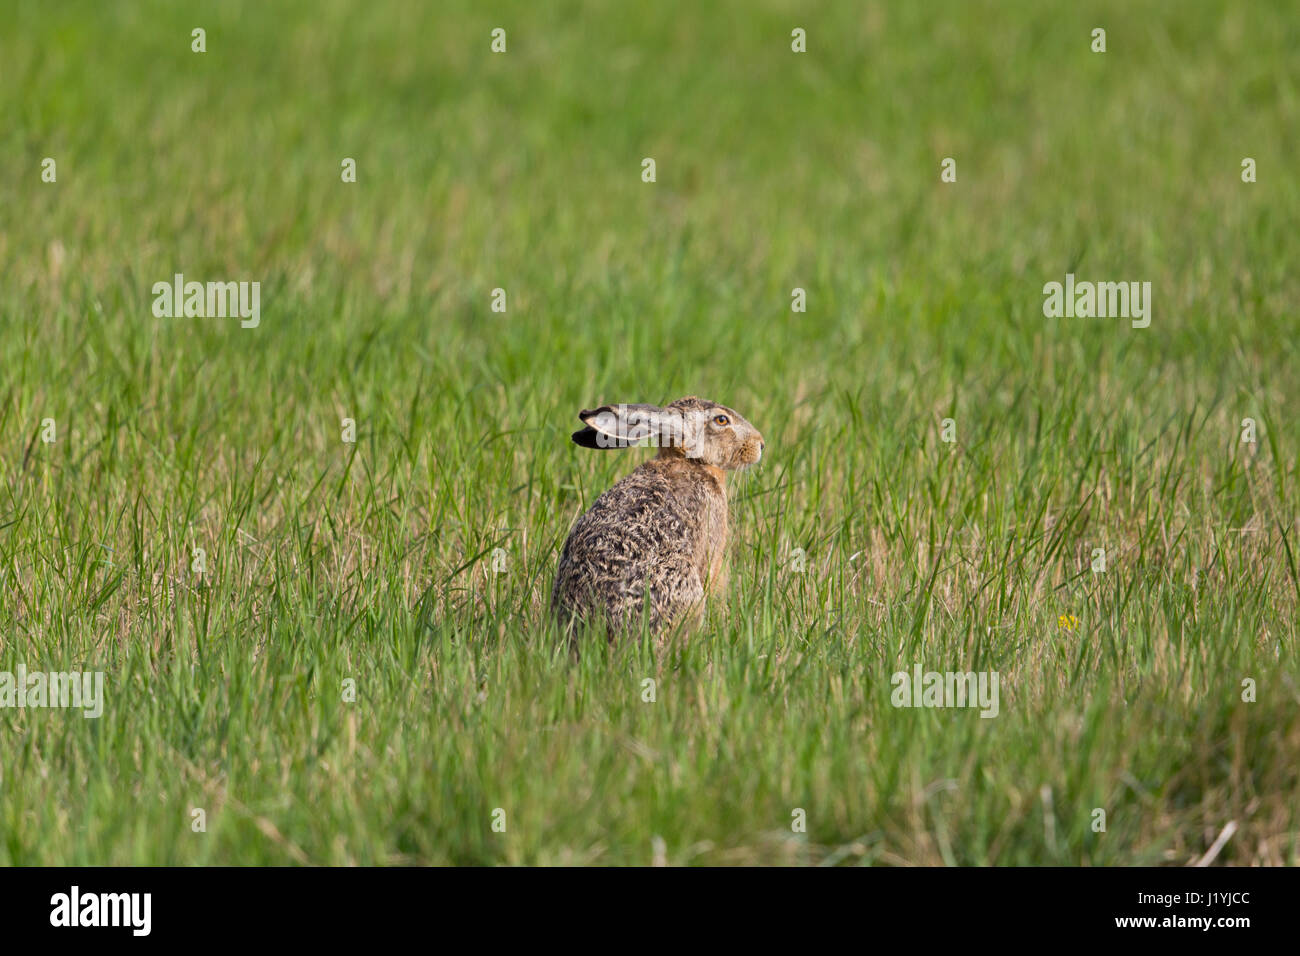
(721,420)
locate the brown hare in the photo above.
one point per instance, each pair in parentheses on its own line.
(654,544)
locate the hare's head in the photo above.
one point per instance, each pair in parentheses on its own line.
(691,427)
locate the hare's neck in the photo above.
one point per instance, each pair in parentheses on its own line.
(673,453)
(672,460)
(718,476)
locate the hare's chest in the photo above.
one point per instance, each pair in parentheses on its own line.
(712,550)
(698,499)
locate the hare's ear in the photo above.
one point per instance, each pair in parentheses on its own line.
(617,426)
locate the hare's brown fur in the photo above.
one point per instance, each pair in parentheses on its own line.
(655,543)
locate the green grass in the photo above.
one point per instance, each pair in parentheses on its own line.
(329,562)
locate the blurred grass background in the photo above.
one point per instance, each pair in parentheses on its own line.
(371,562)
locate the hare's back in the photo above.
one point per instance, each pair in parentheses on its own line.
(638,518)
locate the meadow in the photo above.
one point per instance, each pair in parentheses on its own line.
(324,651)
